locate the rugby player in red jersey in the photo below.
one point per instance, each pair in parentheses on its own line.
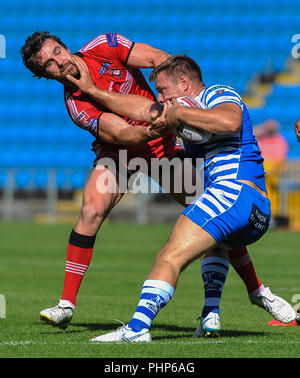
(113,62)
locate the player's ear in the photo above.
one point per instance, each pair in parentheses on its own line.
(184,83)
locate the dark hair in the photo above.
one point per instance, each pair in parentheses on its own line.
(32,46)
(176,66)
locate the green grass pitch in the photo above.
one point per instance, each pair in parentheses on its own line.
(32,261)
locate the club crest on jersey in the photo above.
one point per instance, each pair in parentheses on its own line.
(220,91)
(104,68)
(115,72)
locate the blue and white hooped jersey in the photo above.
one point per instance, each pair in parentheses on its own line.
(229,156)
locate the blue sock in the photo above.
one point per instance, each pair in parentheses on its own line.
(214,272)
(155,295)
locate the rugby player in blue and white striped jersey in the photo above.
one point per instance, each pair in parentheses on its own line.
(234,210)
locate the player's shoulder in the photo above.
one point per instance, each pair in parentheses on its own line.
(72,94)
(76,101)
(220,89)
(107,40)
(213,92)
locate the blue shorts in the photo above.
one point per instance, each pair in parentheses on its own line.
(232,212)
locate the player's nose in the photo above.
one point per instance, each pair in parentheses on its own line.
(59,61)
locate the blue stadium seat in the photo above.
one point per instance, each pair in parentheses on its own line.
(3,178)
(41,179)
(22,179)
(78,180)
(233,42)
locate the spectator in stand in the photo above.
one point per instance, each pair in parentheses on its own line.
(274,150)
(273,145)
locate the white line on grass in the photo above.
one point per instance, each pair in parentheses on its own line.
(17,343)
(225,342)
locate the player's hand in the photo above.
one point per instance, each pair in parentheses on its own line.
(172,115)
(158,119)
(297,129)
(85,82)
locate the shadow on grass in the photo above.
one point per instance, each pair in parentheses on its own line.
(233,333)
(178,332)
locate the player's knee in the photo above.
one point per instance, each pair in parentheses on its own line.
(172,258)
(92,213)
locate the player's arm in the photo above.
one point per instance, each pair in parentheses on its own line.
(146,56)
(114,129)
(135,107)
(297,129)
(223,118)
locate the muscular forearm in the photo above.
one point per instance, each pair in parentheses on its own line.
(138,108)
(134,136)
(214,121)
(135,107)
(113,129)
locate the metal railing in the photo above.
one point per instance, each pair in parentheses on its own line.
(282,179)
(48,181)
(283,185)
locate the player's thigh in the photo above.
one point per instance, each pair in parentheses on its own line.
(186,242)
(101,194)
(103,183)
(102,188)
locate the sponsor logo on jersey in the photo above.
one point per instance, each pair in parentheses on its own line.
(112,39)
(82,116)
(216,87)
(104,68)
(258,219)
(93,125)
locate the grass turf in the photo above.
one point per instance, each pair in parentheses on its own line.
(31,278)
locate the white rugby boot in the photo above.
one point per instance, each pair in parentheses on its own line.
(58,316)
(278,307)
(124,334)
(210,326)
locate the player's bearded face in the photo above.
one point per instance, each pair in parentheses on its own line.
(56,61)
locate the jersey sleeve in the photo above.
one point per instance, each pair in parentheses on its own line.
(109,46)
(83,113)
(220,94)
